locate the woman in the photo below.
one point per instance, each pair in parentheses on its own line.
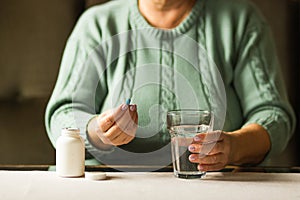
(259,120)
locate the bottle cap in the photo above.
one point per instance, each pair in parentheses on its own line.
(70,131)
(95,175)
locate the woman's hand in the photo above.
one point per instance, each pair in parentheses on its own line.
(214,150)
(114,127)
(211,150)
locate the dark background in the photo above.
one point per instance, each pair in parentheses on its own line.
(32,38)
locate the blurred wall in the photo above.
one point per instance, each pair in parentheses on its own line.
(33,34)
(32,38)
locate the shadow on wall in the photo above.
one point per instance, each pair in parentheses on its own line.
(294,51)
(32,37)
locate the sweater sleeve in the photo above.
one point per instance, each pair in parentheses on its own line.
(79,91)
(259,85)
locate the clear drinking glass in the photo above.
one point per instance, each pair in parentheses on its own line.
(183,126)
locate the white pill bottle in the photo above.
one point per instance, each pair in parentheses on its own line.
(70,153)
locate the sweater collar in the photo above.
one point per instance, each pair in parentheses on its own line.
(137,21)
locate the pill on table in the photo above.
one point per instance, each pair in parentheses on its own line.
(95,175)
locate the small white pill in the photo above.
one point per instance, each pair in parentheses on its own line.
(95,175)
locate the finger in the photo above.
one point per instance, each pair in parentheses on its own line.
(129,133)
(195,148)
(123,139)
(209,137)
(104,139)
(116,136)
(133,107)
(132,126)
(119,139)
(214,167)
(208,148)
(211,148)
(112,133)
(212,159)
(218,147)
(127,119)
(208,160)
(107,119)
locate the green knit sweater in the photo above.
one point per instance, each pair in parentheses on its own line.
(104,64)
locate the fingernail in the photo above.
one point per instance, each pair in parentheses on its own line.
(124,107)
(133,107)
(201,168)
(197,139)
(192,148)
(192,158)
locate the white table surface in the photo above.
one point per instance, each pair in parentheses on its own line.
(43,185)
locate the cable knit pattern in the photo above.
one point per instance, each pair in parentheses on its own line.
(259,73)
(129,77)
(166,99)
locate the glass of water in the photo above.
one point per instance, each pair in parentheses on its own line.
(183,126)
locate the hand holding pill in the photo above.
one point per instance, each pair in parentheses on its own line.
(117,126)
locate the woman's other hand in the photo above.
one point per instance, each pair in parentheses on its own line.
(211,150)
(214,150)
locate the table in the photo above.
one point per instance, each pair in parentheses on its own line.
(44,185)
